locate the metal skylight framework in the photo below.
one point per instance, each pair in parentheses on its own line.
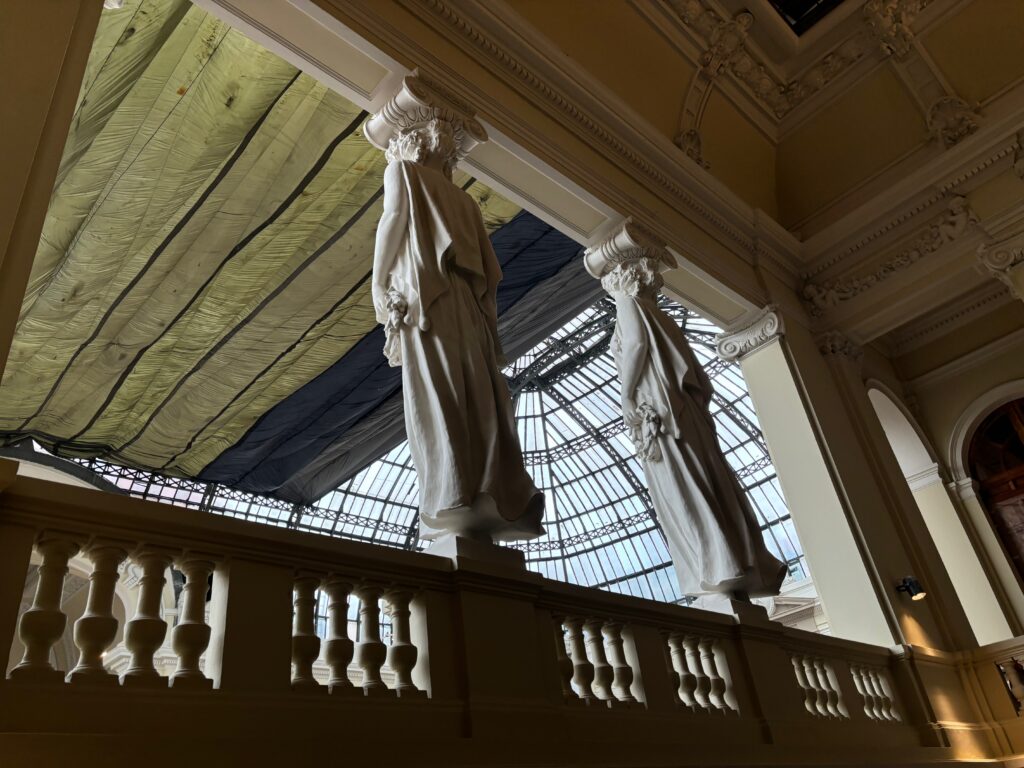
(601,528)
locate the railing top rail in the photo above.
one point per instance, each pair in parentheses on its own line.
(96,515)
(92,515)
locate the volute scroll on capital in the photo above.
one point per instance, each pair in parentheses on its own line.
(417,103)
(632,243)
(761,328)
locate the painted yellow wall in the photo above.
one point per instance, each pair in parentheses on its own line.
(841,146)
(740,156)
(647,73)
(979,48)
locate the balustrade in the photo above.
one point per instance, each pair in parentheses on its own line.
(695,664)
(145,633)
(43,623)
(96,629)
(550,643)
(305,643)
(873,686)
(816,680)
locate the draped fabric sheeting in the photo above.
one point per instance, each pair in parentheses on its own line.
(207,250)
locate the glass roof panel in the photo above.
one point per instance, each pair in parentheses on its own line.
(601,528)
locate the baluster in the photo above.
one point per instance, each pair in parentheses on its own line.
(863,688)
(622,673)
(43,624)
(147,629)
(885,703)
(305,643)
(370,650)
(96,629)
(582,669)
(687,681)
(402,654)
(339,648)
(191,635)
(716,693)
(703,686)
(827,697)
(603,673)
(565,668)
(810,695)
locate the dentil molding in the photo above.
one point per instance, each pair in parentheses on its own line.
(752,334)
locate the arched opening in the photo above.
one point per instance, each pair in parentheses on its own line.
(942,516)
(996,462)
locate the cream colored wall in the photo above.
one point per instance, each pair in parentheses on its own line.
(978,48)
(623,51)
(869,127)
(738,154)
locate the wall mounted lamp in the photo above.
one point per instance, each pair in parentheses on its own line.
(912,587)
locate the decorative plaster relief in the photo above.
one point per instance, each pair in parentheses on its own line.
(632,242)
(835,343)
(889,23)
(761,329)
(1002,258)
(944,229)
(950,120)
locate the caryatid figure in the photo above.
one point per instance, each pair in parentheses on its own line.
(711,530)
(435,278)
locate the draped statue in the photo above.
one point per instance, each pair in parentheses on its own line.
(711,529)
(435,278)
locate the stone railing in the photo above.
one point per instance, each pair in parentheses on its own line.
(484,658)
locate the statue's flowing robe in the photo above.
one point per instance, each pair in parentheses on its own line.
(458,412)
(711,529)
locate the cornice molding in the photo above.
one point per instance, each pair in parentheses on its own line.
(751,334)
(638,148)
(969,361)
(850,239)
(947,319)
(823,296)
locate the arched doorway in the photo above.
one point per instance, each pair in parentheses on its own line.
(996,462)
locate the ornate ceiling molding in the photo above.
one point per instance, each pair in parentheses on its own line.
(752,334)
(822,296)
(1002,258)
(948,318)
(836,344)
(527,61)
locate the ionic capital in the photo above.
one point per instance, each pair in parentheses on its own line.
(418,102)
(1003,260)
(631,243)
(751,334)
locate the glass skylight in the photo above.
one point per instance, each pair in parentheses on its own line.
(601,528)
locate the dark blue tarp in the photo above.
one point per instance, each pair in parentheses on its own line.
(295,432)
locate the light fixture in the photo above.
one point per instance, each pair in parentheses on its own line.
(912,587)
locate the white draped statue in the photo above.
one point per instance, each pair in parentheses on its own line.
(712,532)
(435,279)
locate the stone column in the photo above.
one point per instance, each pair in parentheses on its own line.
(858,523)
(1005,261)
